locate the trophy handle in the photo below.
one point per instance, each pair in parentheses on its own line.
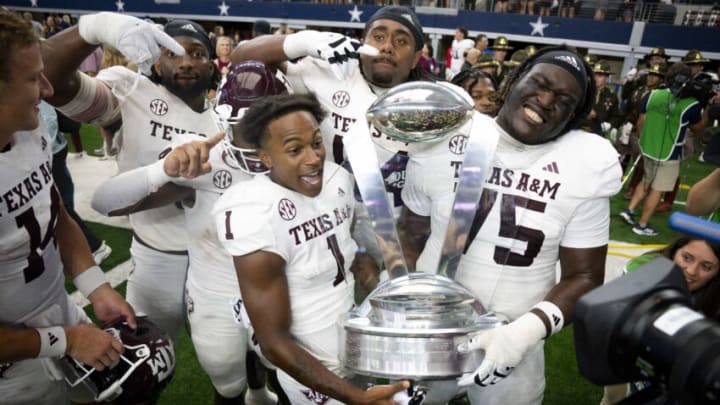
(363,159)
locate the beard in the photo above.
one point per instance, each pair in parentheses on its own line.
(189,90)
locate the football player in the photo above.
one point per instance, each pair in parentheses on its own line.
(538,207)
(393,40)
(195,174)
(40,244)
(289,235)
(148,110)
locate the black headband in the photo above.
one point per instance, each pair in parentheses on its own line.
(176,28)
(404,16)
(570,62)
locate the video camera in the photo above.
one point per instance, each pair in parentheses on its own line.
(701,86)
(641,327)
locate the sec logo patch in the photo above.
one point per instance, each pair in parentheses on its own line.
(222,179)
(287,209)
(341,99)
(159,107)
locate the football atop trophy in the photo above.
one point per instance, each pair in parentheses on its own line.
(420,111)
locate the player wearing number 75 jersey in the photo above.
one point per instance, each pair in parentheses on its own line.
(545,199)
(289,235)
(40,244)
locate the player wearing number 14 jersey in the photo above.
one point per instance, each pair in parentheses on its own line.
(545,200)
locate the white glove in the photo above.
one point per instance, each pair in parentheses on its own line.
(625,131)
(341,52)
(411,396)
(138,40)
(605,126)
(505,347)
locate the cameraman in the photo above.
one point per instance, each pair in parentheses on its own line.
(665,116)
(700,263)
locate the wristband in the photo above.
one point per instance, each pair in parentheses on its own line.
(90,279)
(53,341)
(157,176)
(554,316)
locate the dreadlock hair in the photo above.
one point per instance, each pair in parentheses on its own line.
(254,123)
(586,104)
(15,33)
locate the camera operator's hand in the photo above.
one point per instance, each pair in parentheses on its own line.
(505,347)
(341,52)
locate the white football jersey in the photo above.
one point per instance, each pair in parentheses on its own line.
(433,174)
(211,266)
(345,102)
(311,234)
(536,199)
(457,54)
(151,116)
(31,272)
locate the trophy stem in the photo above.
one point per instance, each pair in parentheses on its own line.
(363,159)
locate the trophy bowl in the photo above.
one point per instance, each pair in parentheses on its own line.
(420,111)
(409,327)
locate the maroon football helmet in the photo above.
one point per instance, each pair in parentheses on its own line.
(145,367)
(244,84)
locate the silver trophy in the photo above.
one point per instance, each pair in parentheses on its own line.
(409,327)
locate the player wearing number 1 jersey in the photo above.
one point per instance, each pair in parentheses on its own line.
(545,199)
(289,234)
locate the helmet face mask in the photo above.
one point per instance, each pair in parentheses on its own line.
(107,386)
(145,367)
(244,84)
(245,159)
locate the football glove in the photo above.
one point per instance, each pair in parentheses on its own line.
(341,52)
(504,346)
(605,126)
(138,40)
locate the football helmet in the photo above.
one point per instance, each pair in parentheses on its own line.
(145,367)
(244,84)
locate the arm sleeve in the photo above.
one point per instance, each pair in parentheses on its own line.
(129,188)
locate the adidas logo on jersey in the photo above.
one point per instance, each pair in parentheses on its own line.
(552,167)
(556,320)
(188,27)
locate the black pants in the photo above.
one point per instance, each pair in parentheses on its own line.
(64,183)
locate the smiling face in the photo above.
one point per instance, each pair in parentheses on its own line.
(293,151)
(23,90)
(540,104)
(698,263)
(397,55)
(187,76)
